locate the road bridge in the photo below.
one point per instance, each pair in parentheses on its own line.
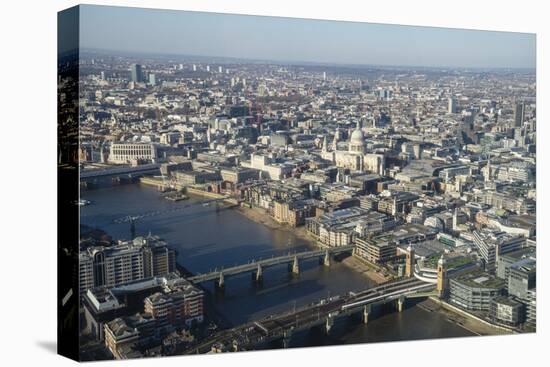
(117,170)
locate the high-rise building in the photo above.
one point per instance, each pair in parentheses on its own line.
(136,73)
(194,67)
(493,243)
(519,114)
(126,262)
(452,105)
(152,79)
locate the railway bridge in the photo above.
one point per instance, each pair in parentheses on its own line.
(322,313)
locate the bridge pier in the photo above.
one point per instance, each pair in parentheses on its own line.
(220,283)
(326,259)
(328,324)
(400,303)
(295,266)
(258,275)
(287,334)
(366,311)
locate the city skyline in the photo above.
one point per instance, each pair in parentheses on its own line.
(292,40)
(228,205)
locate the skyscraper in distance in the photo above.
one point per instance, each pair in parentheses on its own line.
(452,105)
(519,114)
(136,73)
(152,79)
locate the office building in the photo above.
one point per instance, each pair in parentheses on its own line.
(124,153)
(505,261)
(493,243)
(169,300)
(475,290)
(452,105)
(522,277)
(376,250)
(507,311)
(519,114)
(531,308)
(136,73)
(237,175)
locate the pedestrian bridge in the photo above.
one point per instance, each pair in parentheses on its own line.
(257,266)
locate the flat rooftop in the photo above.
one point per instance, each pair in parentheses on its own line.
(480,279)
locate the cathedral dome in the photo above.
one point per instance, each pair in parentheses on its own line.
(357,141)
(357,137)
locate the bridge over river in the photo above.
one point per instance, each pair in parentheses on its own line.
(120,170)
(256,267)
(324,312)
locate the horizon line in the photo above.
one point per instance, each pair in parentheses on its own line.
(302,62)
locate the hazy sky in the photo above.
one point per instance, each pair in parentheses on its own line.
(285,39)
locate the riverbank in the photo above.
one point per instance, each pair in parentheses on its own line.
(202,243)
(462,319)
(365,269)
(260,216)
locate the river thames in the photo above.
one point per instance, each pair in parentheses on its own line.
(206,239)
